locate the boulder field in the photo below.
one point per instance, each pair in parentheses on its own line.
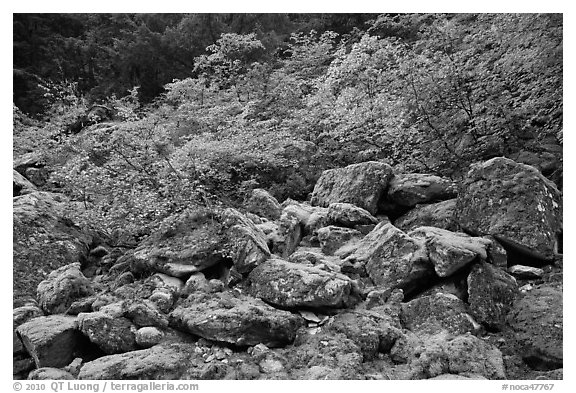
(380,275)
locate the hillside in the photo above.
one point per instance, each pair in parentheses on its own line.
(288,196)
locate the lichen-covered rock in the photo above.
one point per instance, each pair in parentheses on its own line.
(201,238)
(429,356)
(112,334)
(513,201)
(21,185)
(526,272)
(148,336)
(169,361)
(63,287)
(289,284)
(284,235)
(439,215)
(19,316)
(263,204)
(491,293)
(144,313)
(51,341)
(450,251)
(359,184)
(324,355)
(50,373)
(331,238)
(392,259)
(435,313)
(43,240)
(311,218)
(371,331)
(236,319)
(411,189)
(537,319)
(349,215)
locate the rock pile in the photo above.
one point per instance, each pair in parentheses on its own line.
(380,276)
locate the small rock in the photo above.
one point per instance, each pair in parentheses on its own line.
(50,373)
(148,336)
(527,272)
(332,238)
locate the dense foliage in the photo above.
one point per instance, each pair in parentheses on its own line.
(208,107)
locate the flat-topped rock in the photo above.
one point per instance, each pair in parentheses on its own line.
(289,284)
(414,188)
(359,184)
(236,319)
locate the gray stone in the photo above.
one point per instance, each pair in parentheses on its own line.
(412,189)
(263,204)
(439,215)
(62,288)
(538,321)
(359,184)
(51,340)
(514,202)
(235,318)
(436,313)
(491,293)
(148,336)
(201,238)
(392,259)
(111,334)
(164,362)
(331,238)
(50,373)
(289,284)
(348,215)
(526,272)
(450,251)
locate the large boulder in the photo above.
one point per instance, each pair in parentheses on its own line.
(19,316)
(348,215)
(412,189)
(359,184)
(429,356)
(392,259)
(289,284)
(440,215)
(43,240)
(513,202)
(112,334)
(51,341)
(371,331)
(200,238)
(537,320)
(450,251)
(236,319)
(332,238)
(284,235)
(324,355)
(311,218)
(436,313)
(21,185)
(491,293)
(169,361)
(63,287)
(263,204)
